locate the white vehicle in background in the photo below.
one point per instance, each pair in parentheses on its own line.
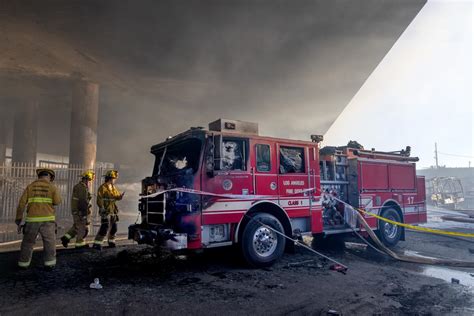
(446,192)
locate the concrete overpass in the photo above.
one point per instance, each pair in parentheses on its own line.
(113,74)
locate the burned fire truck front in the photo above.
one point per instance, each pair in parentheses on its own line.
(169,217)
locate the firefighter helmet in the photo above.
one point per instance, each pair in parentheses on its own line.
(113,174)
(46,170)
(89,175)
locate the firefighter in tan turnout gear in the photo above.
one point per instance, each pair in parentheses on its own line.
(107,195)
(81,211)
(39,199)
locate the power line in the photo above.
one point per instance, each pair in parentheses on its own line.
(455,155)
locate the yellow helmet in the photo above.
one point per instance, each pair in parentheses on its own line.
(89,175)
(47,170)
(111,174)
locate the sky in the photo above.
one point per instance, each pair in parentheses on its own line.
(421,92)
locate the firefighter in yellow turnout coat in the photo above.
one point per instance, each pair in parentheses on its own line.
(81,211)
(107,195)
(39,199)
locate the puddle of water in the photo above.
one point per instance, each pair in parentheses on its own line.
(446,274)
(415,254)
(443,273)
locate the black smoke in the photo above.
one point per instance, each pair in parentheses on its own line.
(164,66)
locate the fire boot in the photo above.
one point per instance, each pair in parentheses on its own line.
(112,244)
(64,241)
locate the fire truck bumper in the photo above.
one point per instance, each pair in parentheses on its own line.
(158,236)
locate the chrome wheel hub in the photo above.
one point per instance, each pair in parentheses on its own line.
(390,229)
(264,241)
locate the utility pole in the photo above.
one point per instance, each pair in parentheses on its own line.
(436,155)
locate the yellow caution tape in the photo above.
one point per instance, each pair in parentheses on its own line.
(423,229)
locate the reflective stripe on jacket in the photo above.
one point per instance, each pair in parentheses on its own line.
(38,198)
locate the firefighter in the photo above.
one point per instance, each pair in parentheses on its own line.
(81,211)
(39,199)
(107,195)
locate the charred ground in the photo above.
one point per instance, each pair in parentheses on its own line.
(138,280)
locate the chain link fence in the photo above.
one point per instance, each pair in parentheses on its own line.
(15,177)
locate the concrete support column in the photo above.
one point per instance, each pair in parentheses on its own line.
(84,117)
(3,135)
(25,132)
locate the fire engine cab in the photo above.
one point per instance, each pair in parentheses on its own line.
(227,185)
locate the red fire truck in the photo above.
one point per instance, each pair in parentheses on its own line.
(227,185)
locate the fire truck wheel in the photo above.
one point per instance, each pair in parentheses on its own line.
(390,234)
(261,246)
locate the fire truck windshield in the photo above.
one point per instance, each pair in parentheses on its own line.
(177,158)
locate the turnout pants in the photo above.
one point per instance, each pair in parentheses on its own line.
(47,230)
(108,228)
(80,230)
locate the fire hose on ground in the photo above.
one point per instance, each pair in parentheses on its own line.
(381,248)
(404,257)
(408,258)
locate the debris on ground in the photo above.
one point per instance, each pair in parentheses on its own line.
(355,246)
(146,280)
(96,284)
(338,268)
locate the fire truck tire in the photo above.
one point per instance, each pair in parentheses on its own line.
(389,234)
(261,246)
